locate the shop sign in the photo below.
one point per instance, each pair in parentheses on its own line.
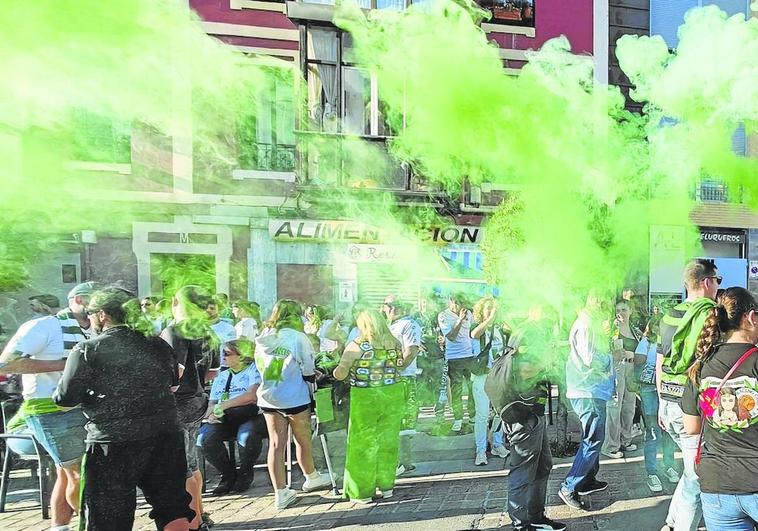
(322,231)
(722,237)
(355,232)
(753,270)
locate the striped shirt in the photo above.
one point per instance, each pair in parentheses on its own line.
(49,338)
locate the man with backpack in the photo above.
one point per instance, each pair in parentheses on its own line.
(516,388)
(679,331)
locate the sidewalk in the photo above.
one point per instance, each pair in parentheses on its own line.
(445,492)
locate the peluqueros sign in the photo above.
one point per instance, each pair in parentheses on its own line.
(347,231)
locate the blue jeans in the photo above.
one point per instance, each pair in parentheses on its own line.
(684,510)
(591,413)
(653,432)
(249,435)
(730,512)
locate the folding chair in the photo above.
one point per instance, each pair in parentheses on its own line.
(44,462)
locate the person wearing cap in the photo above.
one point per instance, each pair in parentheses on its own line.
(124,382)
(38,352)
(232,414)
(44,305)
(408,332)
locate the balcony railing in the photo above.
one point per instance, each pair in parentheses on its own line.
(713,192)
(363,162)
(267,157)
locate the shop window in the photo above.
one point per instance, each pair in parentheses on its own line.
(305,283)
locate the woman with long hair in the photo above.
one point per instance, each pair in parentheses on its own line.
(720,402)
(373,363)
(285,359)
(487,344)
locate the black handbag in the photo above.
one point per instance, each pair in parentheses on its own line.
(240,414)
(480,364)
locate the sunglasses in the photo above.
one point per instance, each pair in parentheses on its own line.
(718,278)
(90,311)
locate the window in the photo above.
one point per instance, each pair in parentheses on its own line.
(99,138)
(342,97)
(266,137)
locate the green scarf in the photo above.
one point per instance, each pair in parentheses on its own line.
(685,339)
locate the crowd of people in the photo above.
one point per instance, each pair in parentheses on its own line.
(112,380)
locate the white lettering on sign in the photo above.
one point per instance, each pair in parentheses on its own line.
(722,237)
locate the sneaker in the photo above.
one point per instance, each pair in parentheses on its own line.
(500,451)
(667,528)
(613,455)
(546,523)
(481,459)
(363,501)
(285,500)
(323,481)
(654,484)
(595,486)
(386,494)
(636,430)
(457,425)
(629,448)
(402,469)
(672,475)
(571,499)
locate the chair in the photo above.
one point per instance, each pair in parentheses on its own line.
(45,463)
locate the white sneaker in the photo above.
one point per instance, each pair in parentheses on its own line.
(636,430)
(672,475)
(481,459)
(284,501)
(457,425)
(364,501)
(654,484)
(629,447)
(613,455)
(322,482)
(387,494)
(399,471)
(500,451)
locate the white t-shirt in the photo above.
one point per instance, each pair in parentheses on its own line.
(247,327)
(327,345)
(40,339)
(408,332)
(296,353)
(460,347)
(241,382)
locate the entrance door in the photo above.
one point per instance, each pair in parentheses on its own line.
(169,272)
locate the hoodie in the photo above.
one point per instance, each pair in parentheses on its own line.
(283,358)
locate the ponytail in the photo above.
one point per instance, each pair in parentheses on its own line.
(716,322)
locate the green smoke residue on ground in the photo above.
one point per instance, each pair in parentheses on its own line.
(592,176)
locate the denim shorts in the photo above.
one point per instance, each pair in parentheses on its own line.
(191,431)
(61,434)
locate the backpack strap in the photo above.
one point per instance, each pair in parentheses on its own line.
(739,362)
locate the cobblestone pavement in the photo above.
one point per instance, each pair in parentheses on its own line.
(445,492)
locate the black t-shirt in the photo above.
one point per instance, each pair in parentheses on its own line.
(123,381)
(729,458)
(196,351)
